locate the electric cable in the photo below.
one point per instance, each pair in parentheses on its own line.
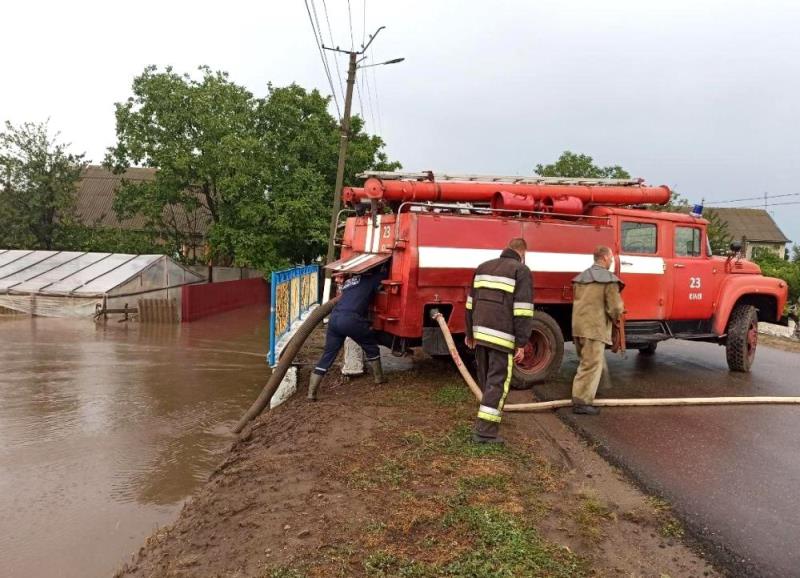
(318,41)
(335,60)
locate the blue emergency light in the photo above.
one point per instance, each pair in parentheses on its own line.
(697,210)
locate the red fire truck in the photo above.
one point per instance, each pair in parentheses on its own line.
(436,229)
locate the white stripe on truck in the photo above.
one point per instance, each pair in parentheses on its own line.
(464,258)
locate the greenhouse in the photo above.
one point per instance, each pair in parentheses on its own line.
(78,284)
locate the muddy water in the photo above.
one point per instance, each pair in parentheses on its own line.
(106,430)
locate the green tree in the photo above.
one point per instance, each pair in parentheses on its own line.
(201,136)
(39,177)
(262,169)
(773,266)
(574,165)
(302,140)
(718,235)
(717,230)
(81,237)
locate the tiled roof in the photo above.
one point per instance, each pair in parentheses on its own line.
(95,199)
(753,224)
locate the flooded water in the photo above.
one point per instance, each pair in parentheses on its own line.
(105,430)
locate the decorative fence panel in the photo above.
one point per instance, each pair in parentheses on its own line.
(294,295)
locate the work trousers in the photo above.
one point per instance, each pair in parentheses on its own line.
(592,355)
(341,326)
(494,376)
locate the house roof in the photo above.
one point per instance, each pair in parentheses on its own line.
(752,224)
(97,188)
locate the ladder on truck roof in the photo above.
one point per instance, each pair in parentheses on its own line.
(516,179)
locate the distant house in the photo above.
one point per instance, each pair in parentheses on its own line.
(754,228)
(95,195)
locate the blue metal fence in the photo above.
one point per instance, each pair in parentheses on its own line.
(293,293)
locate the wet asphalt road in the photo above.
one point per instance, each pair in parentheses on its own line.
(731,473)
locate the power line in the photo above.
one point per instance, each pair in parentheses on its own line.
(322,42)
(350,16)
(377,101)
(756,198)
(778,204)
(360,102)
(318,41)
(761,206)
(364,24)
(335,59)
(369,101)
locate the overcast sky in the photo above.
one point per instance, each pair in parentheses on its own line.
(699,95)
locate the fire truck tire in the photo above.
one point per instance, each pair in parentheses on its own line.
(740,345)
(543,353)
(649,349)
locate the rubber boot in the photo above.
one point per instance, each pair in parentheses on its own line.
(313,385)
(377,371)
(479,439)
(585,409)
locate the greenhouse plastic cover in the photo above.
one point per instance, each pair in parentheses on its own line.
(79,274)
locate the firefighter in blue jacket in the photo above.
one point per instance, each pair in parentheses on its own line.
(349,319)
(499,319)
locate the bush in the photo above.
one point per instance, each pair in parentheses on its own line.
(773,266)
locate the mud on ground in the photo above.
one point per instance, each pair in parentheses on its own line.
(384,481)
(783,343)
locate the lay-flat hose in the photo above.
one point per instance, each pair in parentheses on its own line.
(285,362)
(555,404)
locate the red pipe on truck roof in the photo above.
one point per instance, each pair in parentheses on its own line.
(484,192)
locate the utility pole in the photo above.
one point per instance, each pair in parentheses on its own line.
(344,140)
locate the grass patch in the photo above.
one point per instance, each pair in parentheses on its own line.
(383,564)
(485,482)
(284,572)
(503,546)
(590,515)
(376,527)
(403,396)
(391,472)
(451,394)
(671,528)
(459,442)
(506,546)
(658,505)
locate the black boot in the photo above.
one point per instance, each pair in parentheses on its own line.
(313,385)
(585,409)
(479,439)
(377,370)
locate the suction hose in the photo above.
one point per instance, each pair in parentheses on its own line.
(555,404)
(285,362)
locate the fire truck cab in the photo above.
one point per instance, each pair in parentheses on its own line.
(436,230)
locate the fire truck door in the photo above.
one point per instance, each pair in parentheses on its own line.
(641,268)
(693,275)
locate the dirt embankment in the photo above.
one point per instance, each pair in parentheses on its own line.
(779,342)
(383,481)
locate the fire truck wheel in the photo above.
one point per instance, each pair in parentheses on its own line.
(543,353)
(740,346)
(649,349)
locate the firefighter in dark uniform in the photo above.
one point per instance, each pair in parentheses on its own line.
(349,319)
(499,322)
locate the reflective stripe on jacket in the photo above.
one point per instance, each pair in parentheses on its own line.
(499,308)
